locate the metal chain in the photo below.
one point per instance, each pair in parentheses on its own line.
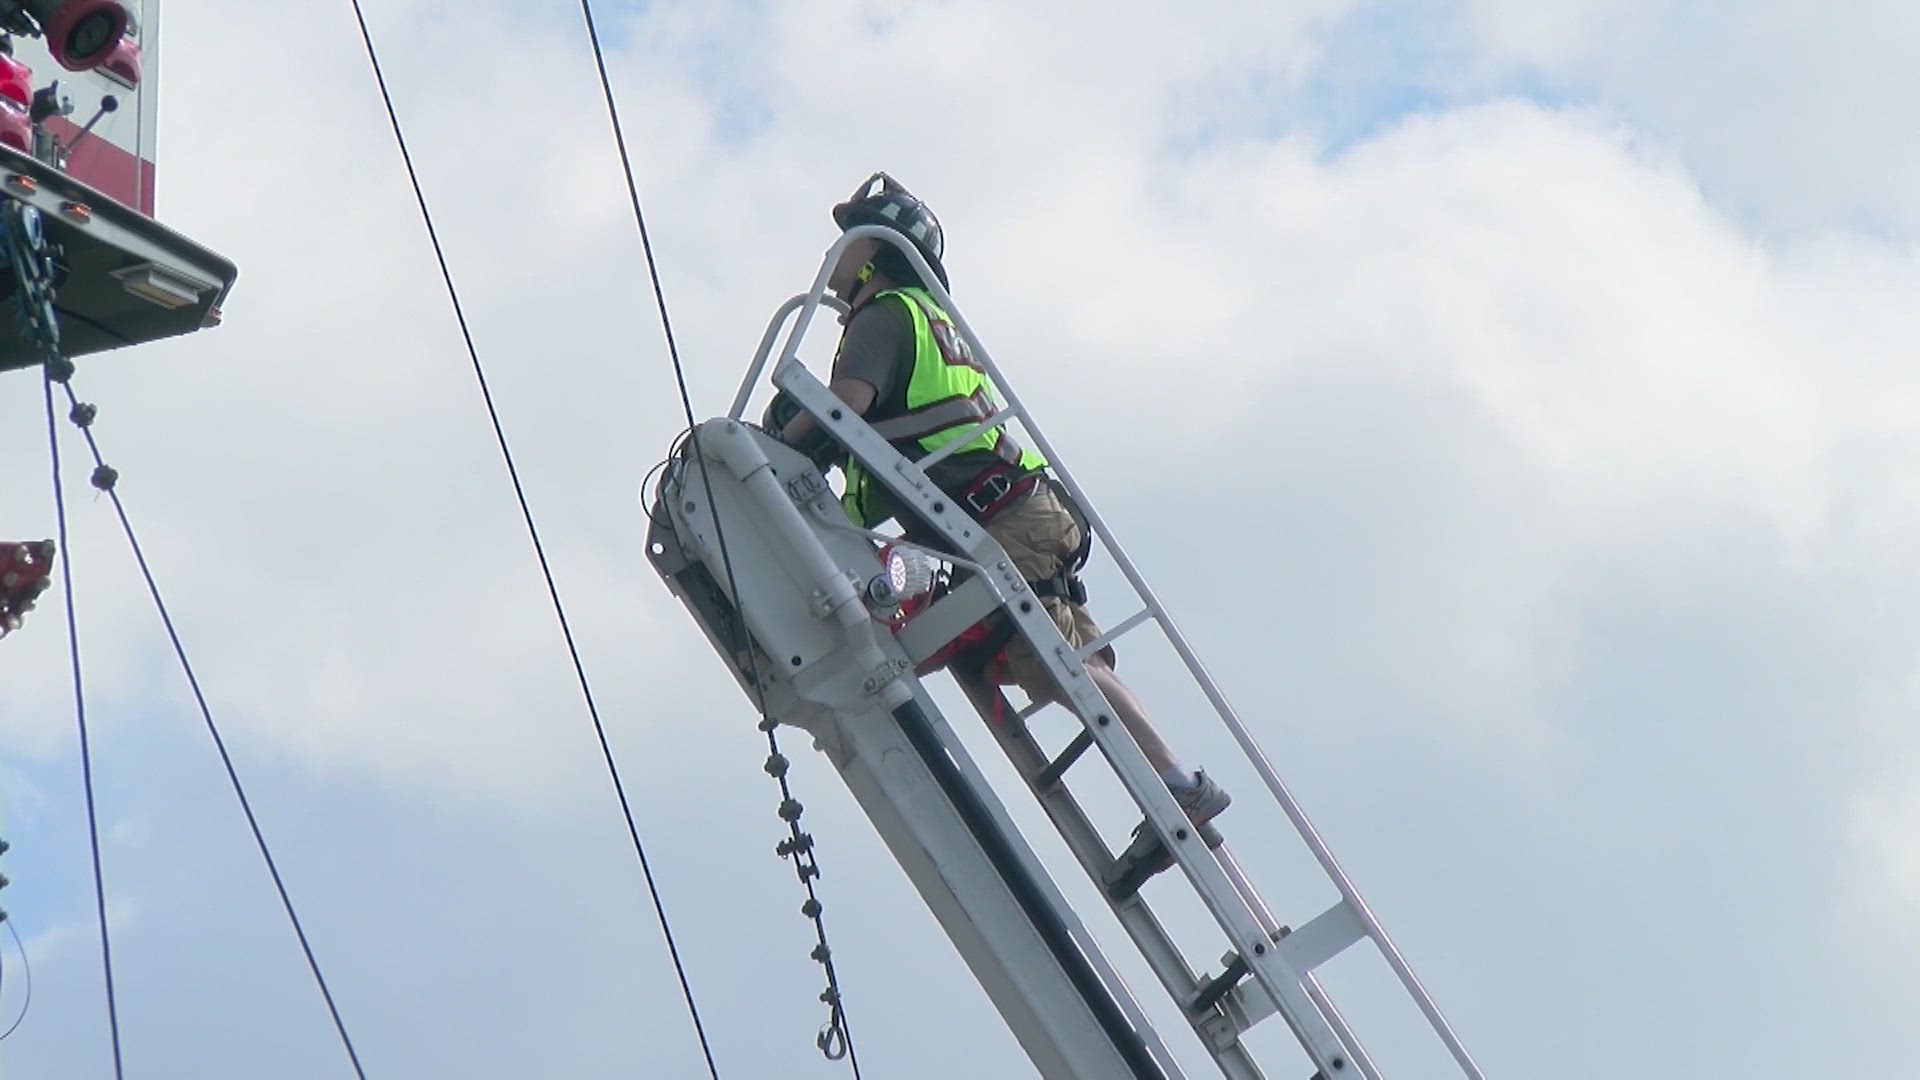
(833,1039)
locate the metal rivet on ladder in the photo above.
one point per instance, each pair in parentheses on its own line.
(1179,834)
(1026,606)
(1259,950)
(939,508)
(690,506)
(795,661)
(835,413)
(1103,720)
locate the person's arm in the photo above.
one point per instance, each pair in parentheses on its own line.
(876,342)
(857,393)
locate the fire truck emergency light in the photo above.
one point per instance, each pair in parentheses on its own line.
(81,34)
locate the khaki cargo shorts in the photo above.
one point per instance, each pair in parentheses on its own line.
(1040,535)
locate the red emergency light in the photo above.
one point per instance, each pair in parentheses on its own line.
(123,62)
(82,34)
(16,93)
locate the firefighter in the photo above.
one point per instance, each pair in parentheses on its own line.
(902,365)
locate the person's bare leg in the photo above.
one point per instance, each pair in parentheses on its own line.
(1133,715)
(1200,797)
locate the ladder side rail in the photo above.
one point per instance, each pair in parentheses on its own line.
(1248,746)
(936,722)
(760,355)
(1288,942)
(920,495)
(816,294)
(1113,635)
(1155,945)
(1256,755)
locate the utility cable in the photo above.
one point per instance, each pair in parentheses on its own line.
(533,532)
(26,976)
(106,479)
(836,1037)
(80,716)
(31,256)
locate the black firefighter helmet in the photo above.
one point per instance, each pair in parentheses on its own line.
(882,200)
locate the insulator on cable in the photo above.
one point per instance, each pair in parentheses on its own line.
(776,765)
(830,995)
(820,952)
(60,369)
(811,909)
(809,870)
(83,414)
(767,724)
(105,477)
(790,809)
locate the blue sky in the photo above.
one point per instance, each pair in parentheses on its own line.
(1550,363)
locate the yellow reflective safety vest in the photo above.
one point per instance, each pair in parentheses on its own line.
(947,394)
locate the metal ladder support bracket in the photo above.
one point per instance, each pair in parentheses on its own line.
(1326,936)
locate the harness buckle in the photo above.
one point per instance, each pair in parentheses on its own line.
(987,494)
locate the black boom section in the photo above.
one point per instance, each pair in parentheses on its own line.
(1027,891)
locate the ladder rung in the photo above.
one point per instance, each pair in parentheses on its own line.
(998,419)
(1323,938)
(1217,987)
(1145,857)
(1050,775)
(1110,636)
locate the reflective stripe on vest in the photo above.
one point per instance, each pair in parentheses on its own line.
(947,395)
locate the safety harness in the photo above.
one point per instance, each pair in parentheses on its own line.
(979,650)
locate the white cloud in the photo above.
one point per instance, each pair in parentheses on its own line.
(1785,110)
(1561,471)
(1886,820)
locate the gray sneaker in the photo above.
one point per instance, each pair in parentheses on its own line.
(1203,800)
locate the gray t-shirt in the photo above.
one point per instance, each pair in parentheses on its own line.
(878,349)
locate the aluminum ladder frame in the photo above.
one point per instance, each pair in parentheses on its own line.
(1280,963)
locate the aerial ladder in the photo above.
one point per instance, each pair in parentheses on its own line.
(807,610)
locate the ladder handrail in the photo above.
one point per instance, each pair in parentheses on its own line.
(789,354)
(766,346)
